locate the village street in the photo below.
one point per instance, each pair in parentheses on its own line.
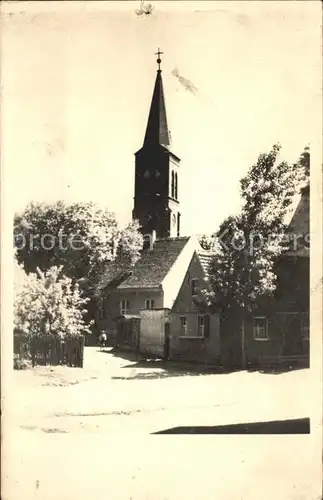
(94,425)
(117,393)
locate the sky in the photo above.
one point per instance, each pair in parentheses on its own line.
(77,81)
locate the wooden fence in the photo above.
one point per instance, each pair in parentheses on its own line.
(50,350)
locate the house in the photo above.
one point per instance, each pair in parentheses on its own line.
(194,331)
(278,332)
(152,283)
(160,292)
(163,288)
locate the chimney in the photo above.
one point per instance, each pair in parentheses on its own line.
(152,239)
(149,240)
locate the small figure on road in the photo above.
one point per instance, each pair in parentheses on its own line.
(103,340)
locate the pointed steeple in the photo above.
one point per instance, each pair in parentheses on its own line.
(157,173)
(157,132)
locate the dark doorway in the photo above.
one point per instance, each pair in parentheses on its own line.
(231,346)
(167,339)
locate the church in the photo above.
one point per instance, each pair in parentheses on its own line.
(154,307)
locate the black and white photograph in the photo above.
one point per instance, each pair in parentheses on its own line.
(161,255)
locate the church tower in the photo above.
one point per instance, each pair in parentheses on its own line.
(156,201)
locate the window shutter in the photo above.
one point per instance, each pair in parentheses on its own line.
(206,326)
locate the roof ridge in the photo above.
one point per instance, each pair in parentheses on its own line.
(173,238)
(154,264)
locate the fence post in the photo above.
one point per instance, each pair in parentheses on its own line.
(32,351)
(81,350)
(243,345)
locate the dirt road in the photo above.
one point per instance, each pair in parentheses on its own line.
(74,434)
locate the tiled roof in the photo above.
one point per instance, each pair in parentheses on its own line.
(300,199)
(205,259)
(153,265)
(299,226)
(301,216)
(113,276)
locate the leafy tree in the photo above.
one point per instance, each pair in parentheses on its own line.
(79,237)
(82,238)
(207,242)
(19,277)
(242,269)
(130,242)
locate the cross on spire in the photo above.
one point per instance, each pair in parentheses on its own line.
(158,53)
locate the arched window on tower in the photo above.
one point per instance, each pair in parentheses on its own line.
(176,187)
(173,185)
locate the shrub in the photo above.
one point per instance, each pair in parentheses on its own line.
(21,363)
(49,303)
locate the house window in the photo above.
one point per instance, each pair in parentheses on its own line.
(203,326)
(173,184)
(194,282)
(176,187)
(260,328)
(183,325)
(200,322)
(124,306)
(150,304)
